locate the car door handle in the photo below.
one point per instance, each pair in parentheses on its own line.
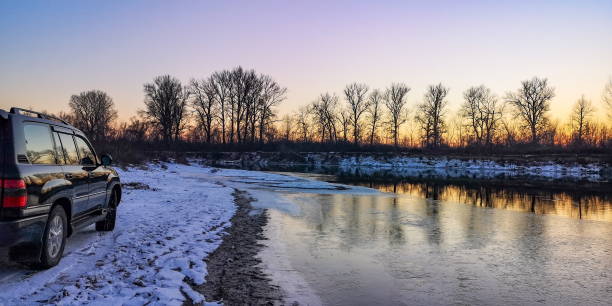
(68,176)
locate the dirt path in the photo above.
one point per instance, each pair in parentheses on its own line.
(234,273)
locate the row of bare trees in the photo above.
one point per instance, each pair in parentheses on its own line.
(378,116)
(238,107)
(229,106)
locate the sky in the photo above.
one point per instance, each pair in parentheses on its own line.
(50,50)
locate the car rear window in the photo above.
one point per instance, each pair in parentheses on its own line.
(39,145)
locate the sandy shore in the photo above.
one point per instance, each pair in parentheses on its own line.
(235,276)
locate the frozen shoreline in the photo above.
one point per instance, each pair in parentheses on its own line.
(510,166)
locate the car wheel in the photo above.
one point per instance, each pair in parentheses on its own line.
(54,239)
(108,224)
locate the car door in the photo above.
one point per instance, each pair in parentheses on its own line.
(76,174)
(98,174)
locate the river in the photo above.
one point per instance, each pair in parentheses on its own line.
(427,241)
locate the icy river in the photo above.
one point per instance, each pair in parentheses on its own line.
(422,243)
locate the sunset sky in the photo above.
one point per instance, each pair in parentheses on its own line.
(50,50)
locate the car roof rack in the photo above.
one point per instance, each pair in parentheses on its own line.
(18,111)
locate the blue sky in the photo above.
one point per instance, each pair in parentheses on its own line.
(53,49)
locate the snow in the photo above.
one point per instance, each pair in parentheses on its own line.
(479,168)
(162,237)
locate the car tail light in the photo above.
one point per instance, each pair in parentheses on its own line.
(14,193)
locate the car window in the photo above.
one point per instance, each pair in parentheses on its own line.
(70,151)
(58,149)
(39,146)
(88,158)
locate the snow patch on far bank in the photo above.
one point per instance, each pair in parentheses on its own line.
(479,167)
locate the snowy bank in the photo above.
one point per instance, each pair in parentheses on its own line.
(485,168)
(164,233)
(551,167)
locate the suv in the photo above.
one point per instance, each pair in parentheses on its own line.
(51,183)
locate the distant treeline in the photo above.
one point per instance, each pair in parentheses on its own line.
(236,110)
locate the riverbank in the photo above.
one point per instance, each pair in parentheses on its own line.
(235,276)
(594,168)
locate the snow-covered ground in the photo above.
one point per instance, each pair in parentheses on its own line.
(162,237)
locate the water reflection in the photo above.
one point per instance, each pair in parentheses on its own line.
(569,204)
(576,199)
(417,248)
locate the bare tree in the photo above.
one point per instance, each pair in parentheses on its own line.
(246,89)
(581,114)
(303,123)
(93,112)
(345,121)
(66,116)
(205,104)
(135,130)
(430,115)
(457,133)
(532,101)
(166,103)
(287,127)
(221,81)
(395,101)
(324,110)
(374,112)
(355,95)
(271,95)
(607,97)
(482,112)
(222,84)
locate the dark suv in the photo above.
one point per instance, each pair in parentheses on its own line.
(51,183)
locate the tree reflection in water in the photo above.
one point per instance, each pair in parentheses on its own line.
(569,204)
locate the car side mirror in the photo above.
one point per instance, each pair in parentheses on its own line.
(106,159)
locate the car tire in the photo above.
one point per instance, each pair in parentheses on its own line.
(108,224)
(54,239)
